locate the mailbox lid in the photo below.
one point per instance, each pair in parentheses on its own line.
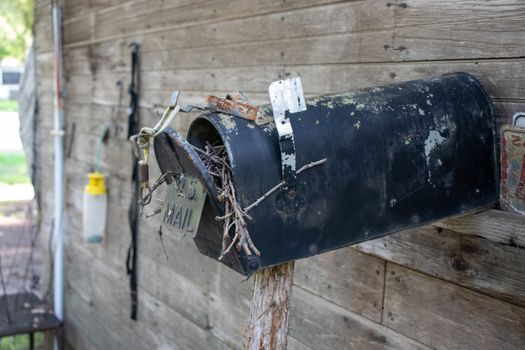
(174,154)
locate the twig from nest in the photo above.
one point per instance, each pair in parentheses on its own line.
(153,213)
(160,233)
(273,189)
(215,159)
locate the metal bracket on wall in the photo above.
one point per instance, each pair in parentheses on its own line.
(287,96)
(518,119)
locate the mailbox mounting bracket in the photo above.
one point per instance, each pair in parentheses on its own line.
(287,97)
(518,119)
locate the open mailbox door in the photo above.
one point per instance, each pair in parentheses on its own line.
(397,156)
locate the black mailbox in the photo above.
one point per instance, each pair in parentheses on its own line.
(397,156)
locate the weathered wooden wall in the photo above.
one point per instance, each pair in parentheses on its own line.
(458,284)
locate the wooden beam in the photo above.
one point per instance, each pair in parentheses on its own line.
(268,324)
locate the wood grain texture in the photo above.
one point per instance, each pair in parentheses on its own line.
(474,262)
(269,308)
(495,225)
(498,77)
(322,325)
(142,16)
(446,316)
(423,12)
(345,277)
(444,29)
(106,293)
(503,38)
(229,305)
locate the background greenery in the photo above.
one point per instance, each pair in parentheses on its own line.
(8,106)
(20,342)
(16,21)
(13,168)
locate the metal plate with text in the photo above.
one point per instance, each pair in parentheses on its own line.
(513,169)
(183,206)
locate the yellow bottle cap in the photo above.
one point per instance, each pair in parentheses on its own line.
(96,184)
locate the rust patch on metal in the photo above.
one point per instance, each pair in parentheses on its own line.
(233,107)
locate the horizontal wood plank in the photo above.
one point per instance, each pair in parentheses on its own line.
(141,16)
(498,77)
(490,39)
(109,298)
(446,316)
(473,262)
(495,225)
(229,306)
(411,13)
(293,344)
(72,9)
(337,17)
(323,325)
(345,277)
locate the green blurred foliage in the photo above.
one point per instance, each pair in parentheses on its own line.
(13,168)
(20,342)
(8,106)
(16,21)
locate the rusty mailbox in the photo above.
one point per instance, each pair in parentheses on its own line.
(387,158)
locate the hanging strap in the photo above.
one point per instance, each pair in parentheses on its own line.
(287,97)
(133,211)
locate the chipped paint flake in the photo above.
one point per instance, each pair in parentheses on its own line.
(288,160)
(421,112)
(433,140)
(357,124)
(228,123)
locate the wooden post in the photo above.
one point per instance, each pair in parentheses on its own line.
(268,327)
